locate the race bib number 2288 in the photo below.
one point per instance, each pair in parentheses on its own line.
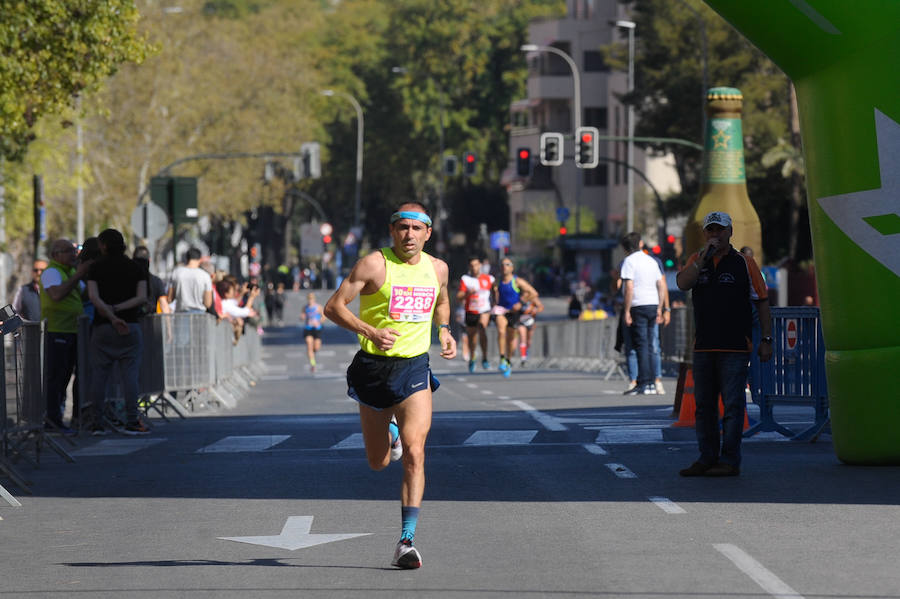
(412,304)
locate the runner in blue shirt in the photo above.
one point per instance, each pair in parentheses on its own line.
(312,331)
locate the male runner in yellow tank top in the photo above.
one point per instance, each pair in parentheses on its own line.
(401,290)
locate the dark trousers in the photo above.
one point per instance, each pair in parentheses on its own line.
(643,319)
(722,372)
(62,352)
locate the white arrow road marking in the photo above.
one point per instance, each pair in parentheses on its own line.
(755,570)
(295,535)
(849,210)
(594,449)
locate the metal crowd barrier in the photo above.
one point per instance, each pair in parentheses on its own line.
(796,373)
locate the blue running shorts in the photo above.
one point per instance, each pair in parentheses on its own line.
(384,381)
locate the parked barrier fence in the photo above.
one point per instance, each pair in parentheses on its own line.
(795,375)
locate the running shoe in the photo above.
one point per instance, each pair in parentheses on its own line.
(485,364)
(406,556)
(505,368)
(648,390)
(659,388)
(471,365)
(396,445)
(632,389)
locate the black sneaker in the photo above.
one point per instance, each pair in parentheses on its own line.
(406,556)
(695,469)
(632,390)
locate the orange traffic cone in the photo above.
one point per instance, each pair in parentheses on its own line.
(687,414)
(686,400)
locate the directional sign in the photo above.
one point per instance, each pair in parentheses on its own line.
(791,334)
(562,214)
(295,535)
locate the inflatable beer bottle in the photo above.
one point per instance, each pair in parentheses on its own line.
(724,183)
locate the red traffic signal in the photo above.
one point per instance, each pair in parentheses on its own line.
(470,158)
(523,162)
(326,238)
(670,238)
(587,137)
(657,250)
(563,230)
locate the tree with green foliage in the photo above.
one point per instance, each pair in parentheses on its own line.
(669,101)
(53,50)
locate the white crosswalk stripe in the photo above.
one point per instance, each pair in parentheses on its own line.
(241,444)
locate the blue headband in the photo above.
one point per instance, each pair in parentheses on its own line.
(421,216)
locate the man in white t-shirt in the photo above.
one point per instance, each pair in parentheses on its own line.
(475,291)
(190,287)
(644,291)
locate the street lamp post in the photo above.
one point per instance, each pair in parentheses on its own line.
(630,25)
(359,148)
(576,106)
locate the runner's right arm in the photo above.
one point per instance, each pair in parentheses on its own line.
(363,278)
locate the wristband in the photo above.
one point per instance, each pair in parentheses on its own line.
(444,326)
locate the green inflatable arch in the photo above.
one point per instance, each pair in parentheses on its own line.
(843,59)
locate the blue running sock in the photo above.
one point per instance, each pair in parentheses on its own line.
(410,517)
(394,430)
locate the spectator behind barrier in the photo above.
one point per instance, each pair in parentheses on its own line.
(191,288)
(61,305)
(27,302)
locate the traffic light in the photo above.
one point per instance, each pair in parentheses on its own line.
(523,162)
(669,254)
(470,163)
(563,230)
(551,149)
(450,163)
(657,250)
(586,144)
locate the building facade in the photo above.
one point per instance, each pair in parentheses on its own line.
(598,196)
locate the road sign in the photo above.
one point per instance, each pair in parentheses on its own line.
(325,229)
(562,214)
(499,239)
(149,221)
(311,240)
(791,334)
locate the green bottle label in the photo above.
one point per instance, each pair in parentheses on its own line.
(723,161)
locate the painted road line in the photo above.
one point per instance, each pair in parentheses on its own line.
(245,443)
(504,397)
(667,505)
(550,423)
(354,441)
(117,447)
(620,470)
(594,449)
(275,377)
(471,385)
(760,575)
(486,392)
(629,435)
(500,438)
(273,368)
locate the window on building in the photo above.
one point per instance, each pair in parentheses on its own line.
(594,62)
(553,64)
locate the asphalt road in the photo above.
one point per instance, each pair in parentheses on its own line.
(547,484)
